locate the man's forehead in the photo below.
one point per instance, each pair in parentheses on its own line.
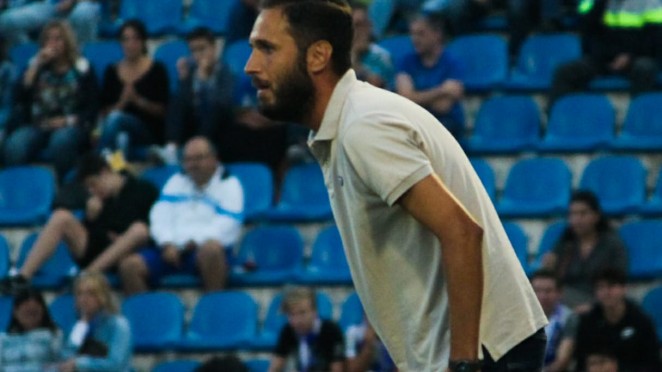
(270,24)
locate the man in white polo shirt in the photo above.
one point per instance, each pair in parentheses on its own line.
(429,257)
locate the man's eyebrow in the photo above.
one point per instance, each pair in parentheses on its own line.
(261,43)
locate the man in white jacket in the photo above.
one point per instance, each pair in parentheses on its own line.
(194,224)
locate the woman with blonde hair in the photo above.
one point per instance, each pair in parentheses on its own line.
(55,103)
(101,339)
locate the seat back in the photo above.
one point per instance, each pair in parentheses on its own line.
(64,313)
(5,260)
(158,176)
(272,247)
(20,54)
(351,312)
(213,14)
(181,365)
(235,56)
(535,60)
(26,195)
(328,252)
(643,118)
(642,242)
(398,46)
(652,305)
(303,185)
(486,175)
(55,271)
(519,241)
(484,58)
(224,316)
(619,182)
(258,184)
(156,319)
(101,54)
(168,53)
(6,304)
(590,117)
(159,16)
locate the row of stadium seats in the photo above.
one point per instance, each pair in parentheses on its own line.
(223,320)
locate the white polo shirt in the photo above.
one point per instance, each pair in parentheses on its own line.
(373,145)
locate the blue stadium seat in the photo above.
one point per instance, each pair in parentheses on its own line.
(619,182)
(20,54)
(505,125)
(63,311)
(536,64)
(579,123)
(642,128)
(486,175)
(642,241)
(258,365)
(258,184)
(56,271)
(652,305)
(609,83)
(328,264)
(235,56)
(275,320)
(274,253)
(158,176)
(536,187)
(6,303)
(653,207)
(223,320)
(156,320)
(160,17)
(213,14)
(520,243)
(180,365)
(351,312)
(380,13)
(5,260)
(484,59)
(303,196)
(168,53)
(398,46)
(26,195)
(549,239)
(101,54)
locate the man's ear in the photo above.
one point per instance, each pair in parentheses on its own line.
(318,56)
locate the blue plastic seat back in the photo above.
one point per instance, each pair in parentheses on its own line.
(642,242)
(619,182)
(6,304)
(304,185)
(652,305)
(159,16)
(538,180)
(235,56)
(519,241)
(536,59)
(550,238)
(102,54)
(63,311)
(55,271)
(213,14)
(224,316)
(484,58)
(156,319)
(399,47)
(168,53)
(643,117)
(272,247)
(20,54)
(380,13)
(486,175)
(258,184)
(328,252)
(351,312)
(258,365)
(158,176)
(181,365)
(26,195)
(5,260)
(587,116)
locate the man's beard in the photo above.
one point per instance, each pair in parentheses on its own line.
(294,98)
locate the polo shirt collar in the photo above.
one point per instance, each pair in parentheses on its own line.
(329,127)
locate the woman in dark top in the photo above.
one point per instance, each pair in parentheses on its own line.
(134,94)
(588,246)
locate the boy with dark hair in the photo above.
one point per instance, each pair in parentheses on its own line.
(115,222)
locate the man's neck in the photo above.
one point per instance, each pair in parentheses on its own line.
(324,91)
(615,313)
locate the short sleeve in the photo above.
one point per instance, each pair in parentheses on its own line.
(388,157)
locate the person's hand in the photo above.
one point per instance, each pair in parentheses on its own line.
(170,255)
(620,62)
(93,207)
(54,123)
(205,68)
(127,96)
(182,68)
(370,336)
(67,366)
(44,56)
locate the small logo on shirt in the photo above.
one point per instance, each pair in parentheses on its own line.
(627,333)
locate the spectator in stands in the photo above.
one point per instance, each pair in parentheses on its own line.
(23,17)
(134,95)
(587,246)
(312,344)
(602,361)
(55,103)
(7,77)
(115,222)
(32,341)
(365,351)
(240,20)
(431,76)
(371,62)
(617,325)
(559,330)
(195,223)
(618,42)
(204,101)
(101,339)
(227,363)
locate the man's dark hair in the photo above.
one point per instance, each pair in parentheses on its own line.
(434,20)
(91,164)
(314,20)
(201,33)
(228,363)
(610,276)
(547,274)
